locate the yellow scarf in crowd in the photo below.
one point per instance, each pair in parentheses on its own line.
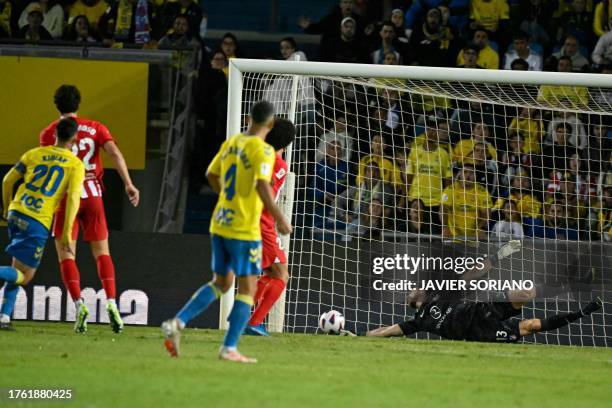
(124,20)
(5,17)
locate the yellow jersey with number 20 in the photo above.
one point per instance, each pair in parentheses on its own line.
(241,161)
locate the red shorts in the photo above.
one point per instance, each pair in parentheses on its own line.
(272,252)
(91,218)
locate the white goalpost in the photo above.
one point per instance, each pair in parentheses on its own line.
(408,159)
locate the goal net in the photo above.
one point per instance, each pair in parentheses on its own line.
(395,164)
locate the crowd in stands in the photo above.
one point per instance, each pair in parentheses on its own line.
(393,163)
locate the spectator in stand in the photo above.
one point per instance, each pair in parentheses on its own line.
(464,150)
(599,147)
(469,56)
(229,46)
(53,17)
(555,157)
(513,159)
(419,221)
(565,195)
(466,115)
(510,226)
(485,168)
(391,58)
(553,226)
(219,62)
(93,9)
(6,18)
(602,18)
(522,195)
(289,50)
(536,15)
(80,31)
(528,125)
(387,35)
(432,44)
(571,50)
(34,31)
(429,171)
(340,136)
(519,64)
(443,135)
(487,57)
(330,180)
(344,48)
(492,15)
(180,39)
(329,26)
(564,96)
(577,22)
(190,9)
(355,202)
(585,183)
(521,50)
(572,129)
(604,216)
(465,207)
(387,169)
(602,54)
(401,38)
(457,9)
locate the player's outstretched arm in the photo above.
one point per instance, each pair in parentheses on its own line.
(386,331)
(266,194)
(8,186)
(119,163)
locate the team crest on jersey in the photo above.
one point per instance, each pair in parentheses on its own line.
(435,312)
(280,174)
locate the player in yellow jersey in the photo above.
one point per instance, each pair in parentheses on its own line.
(49,173)
(241,173)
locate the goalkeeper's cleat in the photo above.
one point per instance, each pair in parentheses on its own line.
(172,336)
(256,330)
(593,306)
(508,249)
(114,317)
(234,355)
(80,324)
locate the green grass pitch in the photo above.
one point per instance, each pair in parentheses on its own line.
(133,370)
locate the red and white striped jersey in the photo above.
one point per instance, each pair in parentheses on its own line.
(91,137)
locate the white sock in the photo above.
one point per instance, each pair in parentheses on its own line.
(4,318)
(78,303)
(229,349)
(111,302)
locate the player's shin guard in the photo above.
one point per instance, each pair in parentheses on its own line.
(106,272)
(274,290)
(199,302)
(8,300)
(238,319)
(11,275)
(71,277)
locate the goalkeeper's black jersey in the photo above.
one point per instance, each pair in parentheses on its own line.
(449,319)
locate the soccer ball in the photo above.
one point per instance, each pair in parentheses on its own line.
(331,322)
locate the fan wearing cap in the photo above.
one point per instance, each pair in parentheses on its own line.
(53,17)
(34,30)
(345,47)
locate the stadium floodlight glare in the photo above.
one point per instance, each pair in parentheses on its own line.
(328,252)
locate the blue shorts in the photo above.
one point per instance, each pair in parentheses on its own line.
(241,257)
(27,239)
